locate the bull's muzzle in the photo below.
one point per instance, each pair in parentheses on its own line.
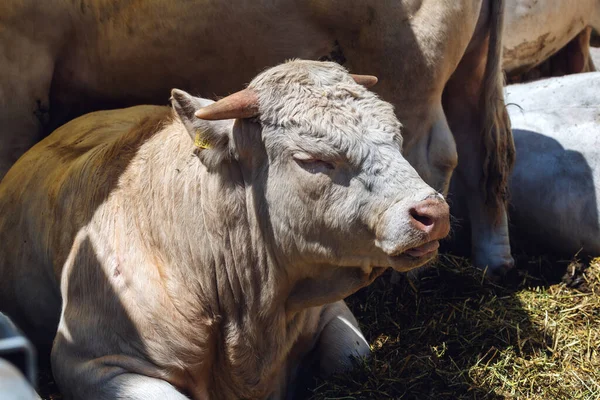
(431,216)
(412,232)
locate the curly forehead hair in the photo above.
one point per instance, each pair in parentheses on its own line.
(320,95)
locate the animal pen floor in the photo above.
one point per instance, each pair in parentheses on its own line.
(452,335)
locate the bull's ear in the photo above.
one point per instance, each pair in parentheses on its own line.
(210,137)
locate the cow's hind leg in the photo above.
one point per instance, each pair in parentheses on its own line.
(478,119)
(26,68)
(24,101)
(574,58)
(31,35)
(580,59)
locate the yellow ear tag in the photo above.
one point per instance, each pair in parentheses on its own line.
(199,142)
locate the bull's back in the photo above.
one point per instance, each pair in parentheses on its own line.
(45,199)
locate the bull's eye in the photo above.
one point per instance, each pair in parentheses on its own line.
(313,165)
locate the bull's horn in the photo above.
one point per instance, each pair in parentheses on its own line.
(242,104)
(365,80)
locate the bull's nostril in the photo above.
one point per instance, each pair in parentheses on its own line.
(432,217)
(424,219)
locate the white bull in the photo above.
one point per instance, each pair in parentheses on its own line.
(555,186)
(188,251)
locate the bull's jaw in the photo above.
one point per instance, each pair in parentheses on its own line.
(338,282)
(414,257)
(333,284)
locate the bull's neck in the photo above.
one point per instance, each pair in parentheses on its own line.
(205,229)
(211,231)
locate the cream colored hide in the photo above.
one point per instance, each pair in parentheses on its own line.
(216,271)
(535,30)
(555,185)
(60,59)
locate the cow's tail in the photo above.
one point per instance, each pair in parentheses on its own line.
(497,134)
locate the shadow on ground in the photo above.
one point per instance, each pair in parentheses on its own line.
(443,335)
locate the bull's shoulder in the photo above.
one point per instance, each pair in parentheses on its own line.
(80,159)
(57,186)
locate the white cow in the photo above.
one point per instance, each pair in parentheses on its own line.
(555,186)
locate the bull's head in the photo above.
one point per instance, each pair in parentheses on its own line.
(323,157)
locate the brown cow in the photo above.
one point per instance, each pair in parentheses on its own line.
(438,62)
(214,270)
(548,38)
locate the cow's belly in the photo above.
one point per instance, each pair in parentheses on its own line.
(534,30)
(124,56)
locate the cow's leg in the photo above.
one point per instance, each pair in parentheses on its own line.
(574,58)
(26,68)
(134,386)
(473,101)
(340,340)
(336,342)
(580,59)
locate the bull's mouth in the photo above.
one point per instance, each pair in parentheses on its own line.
(415,256)
(424,249)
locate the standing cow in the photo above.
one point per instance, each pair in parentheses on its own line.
(553,31)
(555,185)
(210,256)
(439,64)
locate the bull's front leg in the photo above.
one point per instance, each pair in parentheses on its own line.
(106,377)
(338,342)
(474,104)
